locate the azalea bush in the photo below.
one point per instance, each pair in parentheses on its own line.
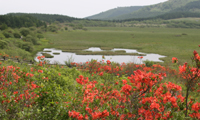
(35,92)
(141,95)
(100,90)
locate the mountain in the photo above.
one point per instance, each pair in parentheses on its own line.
(47,17)
(159,9)
(191,9)
(113,13)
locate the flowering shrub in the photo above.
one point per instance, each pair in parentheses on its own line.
(17,92)
(141,95)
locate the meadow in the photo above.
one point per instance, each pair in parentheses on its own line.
(171,42)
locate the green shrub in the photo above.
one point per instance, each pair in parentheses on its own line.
(85,29)
(25,31)
(2,36)
(3,44)
(27,46)
(42,29)
(71,25)
(40,36)
(7,34)
(39,31)
(9,30)
(19,43)
(32,28)
(18,52)
(3,26)
(17,35)
(69,61)
(148,63)
(32,39)
(52,28)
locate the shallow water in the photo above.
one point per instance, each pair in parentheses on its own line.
(65,56)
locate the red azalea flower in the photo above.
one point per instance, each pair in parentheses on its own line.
(140,57)
(16,92)
(101,73)
(40,71)
(174,60)
(108,62)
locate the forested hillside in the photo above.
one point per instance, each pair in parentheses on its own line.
(113,13)
(48,17)
(19,21)
(171,6)
(190,7)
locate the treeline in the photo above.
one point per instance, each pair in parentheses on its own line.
(94,23)
(183,24)
(19,21)
(175,15)
(50,18)
(166,16)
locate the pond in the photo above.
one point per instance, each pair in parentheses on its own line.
(61,57)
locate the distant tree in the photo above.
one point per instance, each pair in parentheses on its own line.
(40,36)
(3,26)
(2,36)
(7,34)
(23,20)
(31,39)
(27,46)
(71,25)
(24,31)
(32,28)
(56,22)
(3,44)
(42,29)
(45,25)
(9,30)
(52,28)
(39,31)
(17,35)
(66,28)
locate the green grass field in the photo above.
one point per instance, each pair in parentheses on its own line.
(170,42)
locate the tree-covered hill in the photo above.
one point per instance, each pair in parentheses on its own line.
(19,21)
(113,13)
(191,9)
(160,9)
(48,17)
(166,16)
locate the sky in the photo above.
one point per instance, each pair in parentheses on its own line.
(72,8)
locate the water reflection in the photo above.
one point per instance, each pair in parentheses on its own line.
(65,56)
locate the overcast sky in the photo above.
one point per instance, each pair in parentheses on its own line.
(73,8)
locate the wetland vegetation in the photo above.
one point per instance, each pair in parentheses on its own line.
(164,41)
